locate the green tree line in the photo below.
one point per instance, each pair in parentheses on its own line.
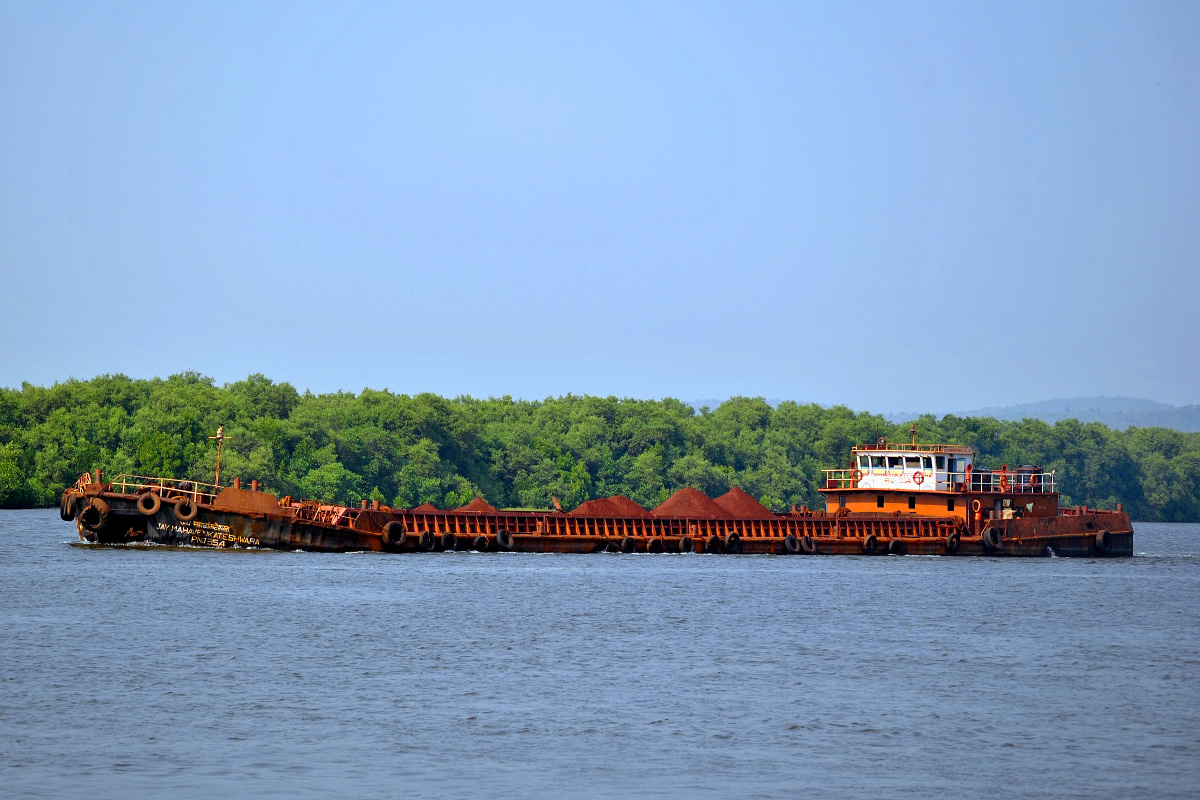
(405,450)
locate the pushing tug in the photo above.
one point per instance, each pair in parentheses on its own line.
(897,499)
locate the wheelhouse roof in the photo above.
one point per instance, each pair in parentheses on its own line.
(890,447)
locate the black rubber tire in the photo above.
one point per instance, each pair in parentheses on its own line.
(896,548)
(66,507)
(869,544)
(992,538)
(504,539)
(808,545)
(655,545)
(953,542)
(449,541)
(713,545)
(149,504)
(94,515)
(185,510)
(428,540)
(1103,542)
(687,545)
(394,534)
(733,543)
(791,545)
(628,545)
(480,543)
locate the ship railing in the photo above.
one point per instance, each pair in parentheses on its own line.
(956,449)
(1018,482)
(166,488)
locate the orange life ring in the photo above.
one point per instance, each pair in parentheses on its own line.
(857,475)
(919,478)
(976,505)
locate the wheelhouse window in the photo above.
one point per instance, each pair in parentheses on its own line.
(926,462)
(941,462)
(913,462)
(877,462)
(895,462)
(864,462)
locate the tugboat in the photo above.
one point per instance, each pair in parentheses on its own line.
(907,499)
(996,512)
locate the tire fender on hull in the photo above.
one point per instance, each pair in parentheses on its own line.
(94,515)
(992,538)
(149,504)
(394,534)
(953,542)
(66,506)
(185,509)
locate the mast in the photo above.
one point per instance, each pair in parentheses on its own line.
(220,437)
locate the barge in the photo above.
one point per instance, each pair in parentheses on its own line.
(895,499)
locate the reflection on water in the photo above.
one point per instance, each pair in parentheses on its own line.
(189,673)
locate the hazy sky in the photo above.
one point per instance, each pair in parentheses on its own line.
(889,205)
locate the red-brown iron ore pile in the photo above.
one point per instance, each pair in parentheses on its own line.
(626,507)
(616,506)
(478,504)
(740,505)
(426,507)
(689,502)
(600,507)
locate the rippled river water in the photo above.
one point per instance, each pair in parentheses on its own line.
(187,673)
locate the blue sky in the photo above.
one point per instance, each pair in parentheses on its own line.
(893,206)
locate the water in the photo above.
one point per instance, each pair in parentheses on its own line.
(189,673)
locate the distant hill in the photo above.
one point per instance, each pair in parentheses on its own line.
(1117,413)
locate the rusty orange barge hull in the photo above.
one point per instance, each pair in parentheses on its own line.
(238,517)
